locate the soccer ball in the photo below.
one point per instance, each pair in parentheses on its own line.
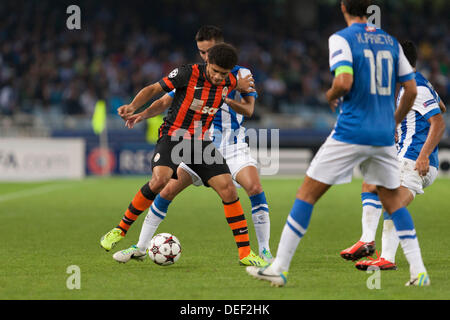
(165,249)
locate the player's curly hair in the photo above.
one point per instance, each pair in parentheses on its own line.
(209,32)
(224,55)
(410,51)
(357,8)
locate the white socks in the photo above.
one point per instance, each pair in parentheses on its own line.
(295,228)
(261,220)
(372,210)
(406,232)
(156,214)
(151,223)
(389,241)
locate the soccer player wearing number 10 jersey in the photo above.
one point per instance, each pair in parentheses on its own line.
(367,64)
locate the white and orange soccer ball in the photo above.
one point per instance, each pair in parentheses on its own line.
(164,249)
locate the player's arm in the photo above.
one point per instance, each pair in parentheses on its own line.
(437,128)
(442,107)
(342,84)
(139,100)
(178,78)
(245,107)
(341,65)
(406,101)
(157,107)
(406,77)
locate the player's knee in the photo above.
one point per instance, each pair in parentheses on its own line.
(168,192)
(390,208)
(390,202)
(158,182)
(311,190)
(369,188)
(254,189)
(307,196)
(228,192)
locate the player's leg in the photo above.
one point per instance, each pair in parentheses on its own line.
(371,212)
(404,226)
(412,184)
(382,169)
(389,239)
(140,202)
(217,175)
(298,221)
(156,214)
(145,196)
(295,228)
(234,213)
(415,184)
(159,207)
(333,164)
(248,178)
(163,169)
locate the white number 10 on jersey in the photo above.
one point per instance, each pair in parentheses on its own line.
(376,71)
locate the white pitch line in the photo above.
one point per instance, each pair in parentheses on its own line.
(33,192)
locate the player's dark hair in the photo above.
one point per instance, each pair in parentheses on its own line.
(224,55)
(208,32)
(410,50)
(357,8)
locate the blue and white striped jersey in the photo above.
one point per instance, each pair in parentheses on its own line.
(413,131)
(226,128)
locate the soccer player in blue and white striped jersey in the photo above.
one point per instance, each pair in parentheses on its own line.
(418,138)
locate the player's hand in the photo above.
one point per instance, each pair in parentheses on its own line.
(442,107)
(334,104)
(245,84)
(422,165)
(126,111)
(133,119)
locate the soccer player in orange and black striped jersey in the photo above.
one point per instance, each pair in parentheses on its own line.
(200,92)
(196,98)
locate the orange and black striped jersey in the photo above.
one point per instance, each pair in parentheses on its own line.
(196,100)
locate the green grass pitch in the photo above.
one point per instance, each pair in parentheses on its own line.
(48,226)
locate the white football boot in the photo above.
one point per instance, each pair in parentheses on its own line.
(126,255)
(276,279)
(421,280)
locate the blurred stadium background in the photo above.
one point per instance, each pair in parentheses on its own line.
(51,78)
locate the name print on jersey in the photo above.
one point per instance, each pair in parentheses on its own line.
(372,38)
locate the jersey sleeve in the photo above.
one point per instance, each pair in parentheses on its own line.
(172,93)
(405,71)
(177,78)
(340,52)
(426,103)
(243,72)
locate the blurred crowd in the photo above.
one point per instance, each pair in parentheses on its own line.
(123,46)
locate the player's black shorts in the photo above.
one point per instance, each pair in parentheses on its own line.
(201,156)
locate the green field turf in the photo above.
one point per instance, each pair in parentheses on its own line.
(49,226)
